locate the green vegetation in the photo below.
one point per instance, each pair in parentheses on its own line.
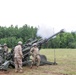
(12,35)
(66,59)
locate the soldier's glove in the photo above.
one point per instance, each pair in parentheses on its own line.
(31,53)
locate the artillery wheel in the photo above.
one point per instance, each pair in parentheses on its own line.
(12,64)
(43,59)
(45,62)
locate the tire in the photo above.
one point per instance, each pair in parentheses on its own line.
(43,60)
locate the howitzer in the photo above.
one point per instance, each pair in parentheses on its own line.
(9,61)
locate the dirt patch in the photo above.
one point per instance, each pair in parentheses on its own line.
(4,72)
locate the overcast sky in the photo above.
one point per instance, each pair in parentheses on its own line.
(58,14)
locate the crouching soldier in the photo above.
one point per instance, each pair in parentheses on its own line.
(18,55)
(5,48)
(34,51)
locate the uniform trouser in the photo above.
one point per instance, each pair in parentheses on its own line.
(18,63)
(36,58)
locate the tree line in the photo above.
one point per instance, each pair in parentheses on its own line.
(11,35)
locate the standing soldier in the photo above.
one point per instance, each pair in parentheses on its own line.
(34,51)
(18,55)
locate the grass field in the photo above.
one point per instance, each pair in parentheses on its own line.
(66,59)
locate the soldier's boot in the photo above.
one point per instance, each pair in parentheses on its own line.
(16,71)
(31,66)
(21,71)
(37,66)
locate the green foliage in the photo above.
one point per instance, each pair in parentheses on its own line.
(12,35)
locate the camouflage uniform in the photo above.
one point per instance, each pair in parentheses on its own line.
(5,49)
(35,55)
(18,55)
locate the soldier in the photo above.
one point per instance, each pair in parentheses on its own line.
(34,51)
(5,48)
(18,55)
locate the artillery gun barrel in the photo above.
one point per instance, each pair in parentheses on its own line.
(61,31)
(41,41)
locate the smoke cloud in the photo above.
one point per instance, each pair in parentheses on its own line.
(45,31)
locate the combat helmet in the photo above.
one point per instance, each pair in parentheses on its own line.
(35,44)
(5,44)
(20,42)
